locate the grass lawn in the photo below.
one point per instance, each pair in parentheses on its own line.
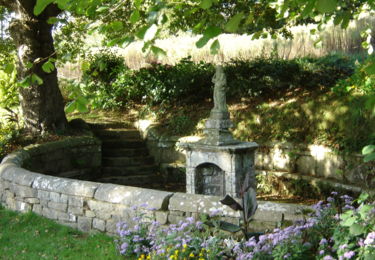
(28,236)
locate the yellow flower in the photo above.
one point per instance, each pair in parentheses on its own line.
(176,252)
(191,255)
(184,246)
(148,257)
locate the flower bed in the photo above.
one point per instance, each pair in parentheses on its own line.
(338,228)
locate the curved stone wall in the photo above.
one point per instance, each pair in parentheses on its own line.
(87,205)
(309,162)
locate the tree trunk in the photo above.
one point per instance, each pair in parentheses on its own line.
(41,104)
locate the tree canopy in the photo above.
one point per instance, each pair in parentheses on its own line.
(124,21)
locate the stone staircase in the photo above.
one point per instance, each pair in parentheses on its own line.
(125,158)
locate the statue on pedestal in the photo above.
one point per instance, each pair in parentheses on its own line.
(220,82)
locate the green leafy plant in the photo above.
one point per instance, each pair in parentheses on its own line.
(369,153)
(248,207)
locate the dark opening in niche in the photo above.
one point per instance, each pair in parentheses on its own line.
(210,180)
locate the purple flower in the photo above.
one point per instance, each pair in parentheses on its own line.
(334,193)
(343,246)
(214,212)
(330,199)
(124,246)
(198,224)
(321,252)
(287,256)
(323,241)
(328,257)
(370,239)
(190,220)
(349,254)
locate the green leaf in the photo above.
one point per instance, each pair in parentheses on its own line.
(158,51)
(364,210)
(215,47)
(48,67)
(348,221)
(230,202)
(29,65)
(141,32)
(137,3)
(8,68)
(82,100)
(116,25)
(326,6)
(212,31)
(345,19)
(70,107)
(53,20)
(82,108)
(202,42)
(25,82)
(134,17)
(368,149)
(250,203)
(209,33)
(363,197)
(234,22)
(369,157)
(63,4)
(102,9)
(36,79)
(206,4)
(338,19)
(41,5)
(308,8)
(226,226)
(356,229)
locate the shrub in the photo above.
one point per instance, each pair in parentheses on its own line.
(186,82)
(9,133)
(101,72)
(109,84)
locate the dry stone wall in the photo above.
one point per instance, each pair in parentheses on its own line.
(315,161)
(92,206)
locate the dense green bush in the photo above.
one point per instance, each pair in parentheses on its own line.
(185,82)
(110,84)
(101,72)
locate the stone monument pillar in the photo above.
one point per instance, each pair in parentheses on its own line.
(217,126)
(217,164)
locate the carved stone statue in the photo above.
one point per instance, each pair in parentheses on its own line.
(220,81)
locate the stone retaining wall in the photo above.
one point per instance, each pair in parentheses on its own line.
(92,206)
(301,160)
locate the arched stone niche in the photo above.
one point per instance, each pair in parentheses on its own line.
(210,180)
(234,161)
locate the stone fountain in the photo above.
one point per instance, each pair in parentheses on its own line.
(218,164)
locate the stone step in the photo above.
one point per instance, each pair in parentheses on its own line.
(117,133)
(124,152)
(132,180)
(120,143)
(109,125)
(127,161)
(129,170)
